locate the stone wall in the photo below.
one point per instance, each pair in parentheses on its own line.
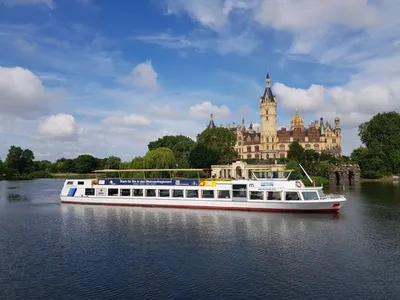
(348,174)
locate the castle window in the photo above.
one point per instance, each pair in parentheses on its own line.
(248,155)
(334,141)
(257,149)
(316,147)
(308,147)
(282,155)
(257,156)
(282,147)
(248,149)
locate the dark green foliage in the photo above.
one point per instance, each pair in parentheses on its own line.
(19,161)
(203,157)
(372,163)
(221,141)
(296,152)
(381,135)
(85,163)
(179,144)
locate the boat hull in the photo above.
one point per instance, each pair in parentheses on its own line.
(318,206)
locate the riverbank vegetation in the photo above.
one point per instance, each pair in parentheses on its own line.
(378,158)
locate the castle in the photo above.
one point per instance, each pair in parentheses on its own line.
(268,142)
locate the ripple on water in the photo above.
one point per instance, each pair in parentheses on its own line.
(57,251)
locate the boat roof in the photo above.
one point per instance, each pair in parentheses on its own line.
(148,170)
(186,170)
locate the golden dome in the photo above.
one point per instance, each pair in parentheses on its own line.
(297,121)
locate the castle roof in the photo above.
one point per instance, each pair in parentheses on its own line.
(268,96)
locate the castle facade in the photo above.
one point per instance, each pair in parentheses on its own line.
(269,142)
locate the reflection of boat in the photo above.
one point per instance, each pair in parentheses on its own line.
(268,190)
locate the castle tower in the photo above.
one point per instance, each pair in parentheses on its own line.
(211,124)
(268,121)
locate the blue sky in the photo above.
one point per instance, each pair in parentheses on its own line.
(106,78)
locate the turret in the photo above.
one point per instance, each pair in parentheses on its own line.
(211,124)
(337,122)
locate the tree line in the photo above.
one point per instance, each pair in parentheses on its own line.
(380,155)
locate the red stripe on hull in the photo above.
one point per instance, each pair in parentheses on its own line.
(327,210)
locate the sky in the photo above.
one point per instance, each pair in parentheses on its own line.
(107,77)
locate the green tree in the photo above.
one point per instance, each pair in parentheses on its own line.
(111,162)
(222,141)
(63,165)
(85,163)
(296,152)
(381,135)
(1,168)
(160,158)
(42,165)
(203,157)
(20,160)
(371,162)
(181,146)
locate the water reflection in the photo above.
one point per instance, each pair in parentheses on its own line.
(204,225)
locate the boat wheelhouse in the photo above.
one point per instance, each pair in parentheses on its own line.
(268,190)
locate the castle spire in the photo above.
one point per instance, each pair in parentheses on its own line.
(211,124)
(268,95)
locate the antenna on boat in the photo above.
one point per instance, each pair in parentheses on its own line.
(309,178)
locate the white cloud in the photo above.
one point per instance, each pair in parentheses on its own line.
(242,43)
(60,126)
(126,120)
(21,92)
(209,13)
(162,111)
(48,3)
(204,109)
(296,98)
(144,76)
(298,15)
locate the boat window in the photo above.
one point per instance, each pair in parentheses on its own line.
(224,194)
(207,194)
(239,190)
(70,182)
(89,192)
(177,193)
(321,194)
(101,192)
(273,196)
(126,192)
(163,193)
(292,196)
(310,195)
(137,192)
(192,194)
(81,182)
(150,193)
(254,195)
(112,192)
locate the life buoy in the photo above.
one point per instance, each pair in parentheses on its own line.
(94,182)
(298,184)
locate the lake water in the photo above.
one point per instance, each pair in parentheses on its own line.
(54,251)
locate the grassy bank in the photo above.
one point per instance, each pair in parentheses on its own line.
(383,179)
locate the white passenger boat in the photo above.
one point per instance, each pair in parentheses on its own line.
(267,190)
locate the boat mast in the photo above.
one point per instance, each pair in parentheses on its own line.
(309,178)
